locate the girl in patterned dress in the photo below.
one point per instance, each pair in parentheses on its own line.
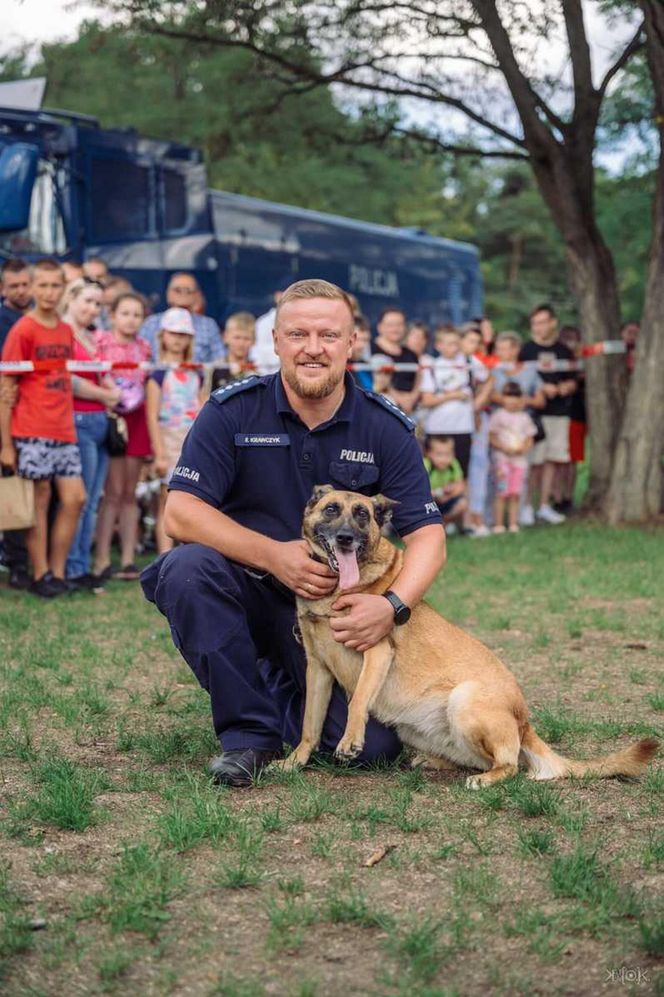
(173,399)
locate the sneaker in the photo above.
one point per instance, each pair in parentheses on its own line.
(47,587)
(499,529)
(514,529)
(479,532)
(548,515)
(527,517)
(450,529)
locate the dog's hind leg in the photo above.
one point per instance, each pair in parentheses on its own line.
(319,683)
(491,736)
(376,664)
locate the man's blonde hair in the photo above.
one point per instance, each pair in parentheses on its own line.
(305,290)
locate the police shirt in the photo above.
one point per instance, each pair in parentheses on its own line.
(251,456)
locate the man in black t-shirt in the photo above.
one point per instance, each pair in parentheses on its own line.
(558,386)
(404,385)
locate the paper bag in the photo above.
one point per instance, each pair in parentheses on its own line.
(17,503)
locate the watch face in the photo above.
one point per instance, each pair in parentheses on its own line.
(402,615)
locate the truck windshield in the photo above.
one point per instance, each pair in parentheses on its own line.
(45,232)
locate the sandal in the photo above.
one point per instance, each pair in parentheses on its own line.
(128,573)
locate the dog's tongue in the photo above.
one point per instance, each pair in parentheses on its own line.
(349,573)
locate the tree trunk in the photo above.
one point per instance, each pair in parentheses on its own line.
(594,285)
(636,484)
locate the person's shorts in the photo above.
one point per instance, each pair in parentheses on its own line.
(446,507)
(577,440)
(510,477)
(39,458)
(556,445)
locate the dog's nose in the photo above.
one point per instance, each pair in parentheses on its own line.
(345,538)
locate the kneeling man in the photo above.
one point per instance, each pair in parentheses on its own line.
(237,496)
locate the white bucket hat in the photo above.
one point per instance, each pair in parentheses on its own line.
(177,320)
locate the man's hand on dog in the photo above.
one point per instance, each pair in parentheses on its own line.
(371,617)
(294,566)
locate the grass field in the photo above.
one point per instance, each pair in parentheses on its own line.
(124,871)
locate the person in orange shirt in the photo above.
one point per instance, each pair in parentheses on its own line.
(37,431)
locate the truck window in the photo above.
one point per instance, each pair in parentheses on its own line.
(174,193)
(45,232)
(120,200)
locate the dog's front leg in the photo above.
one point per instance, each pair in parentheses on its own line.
(376,664)
(319,682)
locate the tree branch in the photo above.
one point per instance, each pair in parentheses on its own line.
(400,87)
(579,52)
(458,150)
(635,44)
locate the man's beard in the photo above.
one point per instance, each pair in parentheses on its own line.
(313,389)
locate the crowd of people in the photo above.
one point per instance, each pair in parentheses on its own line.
(501,435)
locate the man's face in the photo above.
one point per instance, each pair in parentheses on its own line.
(72,271)
(314,338)
(181,292)
(47,289)
(543,326)
(96,270)
(392,327)
(17,289)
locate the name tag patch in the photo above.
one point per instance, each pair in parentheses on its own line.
(262,440)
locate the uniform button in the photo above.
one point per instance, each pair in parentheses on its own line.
(306,456)
(354,483)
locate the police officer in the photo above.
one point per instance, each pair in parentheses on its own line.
(236,500)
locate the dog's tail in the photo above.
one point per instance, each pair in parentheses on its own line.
(543,763)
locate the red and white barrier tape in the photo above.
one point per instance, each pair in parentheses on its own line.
(606,348)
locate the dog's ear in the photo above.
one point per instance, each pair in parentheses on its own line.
(383,509)
(317,494)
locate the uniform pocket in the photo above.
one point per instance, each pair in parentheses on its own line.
(346,474)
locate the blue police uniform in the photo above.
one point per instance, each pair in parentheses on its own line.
(249,455)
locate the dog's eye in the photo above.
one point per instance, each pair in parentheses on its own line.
(332,510)
(361,515)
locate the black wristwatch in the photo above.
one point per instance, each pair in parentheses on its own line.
(401,610)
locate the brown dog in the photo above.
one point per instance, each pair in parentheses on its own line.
(446,694)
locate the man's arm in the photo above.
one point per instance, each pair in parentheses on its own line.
(371,617)
(191,520)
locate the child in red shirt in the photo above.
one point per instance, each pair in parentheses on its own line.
(38,434)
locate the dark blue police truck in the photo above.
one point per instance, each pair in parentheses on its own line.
(71,189)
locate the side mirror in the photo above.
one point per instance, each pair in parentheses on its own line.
(18,171)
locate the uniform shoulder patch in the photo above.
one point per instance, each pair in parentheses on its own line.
(222,395)
(391,407)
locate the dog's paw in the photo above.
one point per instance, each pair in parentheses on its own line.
(347,749)
(474,782)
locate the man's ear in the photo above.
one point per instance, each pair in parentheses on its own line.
(317,494)
(383,509)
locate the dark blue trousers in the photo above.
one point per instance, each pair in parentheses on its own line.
(236,634)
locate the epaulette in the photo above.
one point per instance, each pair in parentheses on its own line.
(222,395)
(388,404)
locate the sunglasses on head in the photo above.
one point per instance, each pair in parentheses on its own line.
(93,282)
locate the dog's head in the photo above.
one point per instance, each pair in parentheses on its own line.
(344,528)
